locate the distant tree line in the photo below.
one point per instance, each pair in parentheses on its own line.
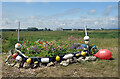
(48,29)
(36,29)
(28,29)
(32,29)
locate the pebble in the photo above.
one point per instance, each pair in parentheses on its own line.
(87,58)
(69,60)
(50,64)
(26,65)
(80,59)
(90,58)
(74,59)
(64,63)
(17,65)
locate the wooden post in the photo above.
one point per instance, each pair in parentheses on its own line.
(18,29)
(86,30)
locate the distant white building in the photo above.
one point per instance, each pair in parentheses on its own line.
(101,28)
(59,29)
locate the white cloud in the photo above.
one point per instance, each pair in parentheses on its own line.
(91,22)
(96,22)
(32,17)
(92,11)
(109,9)
(113,18)
(16,21)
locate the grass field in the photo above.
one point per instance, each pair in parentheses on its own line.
(105,39)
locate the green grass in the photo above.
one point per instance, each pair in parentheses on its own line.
(106,39)
(96,37)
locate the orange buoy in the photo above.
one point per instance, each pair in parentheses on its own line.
(14,55)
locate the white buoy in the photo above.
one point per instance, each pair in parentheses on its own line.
(44,60)
(18,58)
(86,38)
(68,56)
(18,45)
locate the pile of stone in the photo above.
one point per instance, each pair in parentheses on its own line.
(75,60)
(63,63)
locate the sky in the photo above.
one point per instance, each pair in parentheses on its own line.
(67,15)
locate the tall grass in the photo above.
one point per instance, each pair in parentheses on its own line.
(100,38)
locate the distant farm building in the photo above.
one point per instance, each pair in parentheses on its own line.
(101,28)
(59,29)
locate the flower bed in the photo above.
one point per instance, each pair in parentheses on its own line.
(43,48)
(41,51)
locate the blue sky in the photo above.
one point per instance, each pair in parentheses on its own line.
(60,14)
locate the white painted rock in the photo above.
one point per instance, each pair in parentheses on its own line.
(26,65)
(80,59)
(50,64)
(35,65)
(6,63)
(90,58)
(69,60)
(74,59)
(17,65)
(87,58)
(64,63)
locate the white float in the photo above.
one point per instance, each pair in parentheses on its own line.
(18,58)
(44,60)
(18,45)
(68,56)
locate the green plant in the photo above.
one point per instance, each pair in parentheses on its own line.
(12,41)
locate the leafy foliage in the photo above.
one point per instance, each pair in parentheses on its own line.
(50,48)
